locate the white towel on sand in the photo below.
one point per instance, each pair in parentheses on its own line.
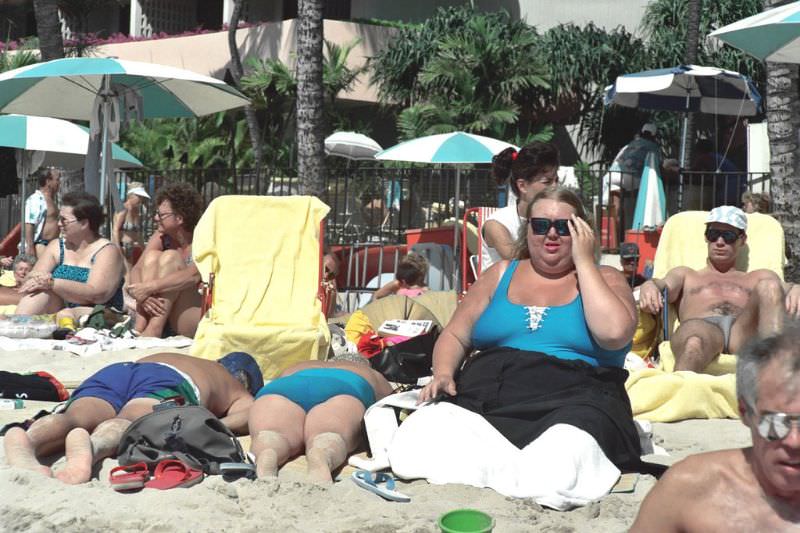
(443,443)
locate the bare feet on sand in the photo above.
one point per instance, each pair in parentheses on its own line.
(78,450)
(20,452)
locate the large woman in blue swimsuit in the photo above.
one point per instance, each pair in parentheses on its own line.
(552,330)
(79,269)
(314,407)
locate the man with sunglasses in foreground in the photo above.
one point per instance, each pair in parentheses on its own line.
(720,307)
(750,489)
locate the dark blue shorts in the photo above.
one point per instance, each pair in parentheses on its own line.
(313,386)
(122,382)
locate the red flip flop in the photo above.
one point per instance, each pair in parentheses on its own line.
(129,477)
(171,473)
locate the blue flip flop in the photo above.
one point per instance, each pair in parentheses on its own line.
(381,484)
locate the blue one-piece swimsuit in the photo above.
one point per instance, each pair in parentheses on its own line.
(557,330)
(312,386)
(81,275)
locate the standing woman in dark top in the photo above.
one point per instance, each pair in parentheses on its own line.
(164,280)
(79,269)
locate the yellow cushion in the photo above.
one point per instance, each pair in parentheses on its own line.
(264,252)
(7,279)
(661,396)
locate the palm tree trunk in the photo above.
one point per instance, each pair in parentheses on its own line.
(310,98)
(48,28)
(237,71)
(690,58)
(783,125)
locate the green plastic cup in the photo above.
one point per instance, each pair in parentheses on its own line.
(466,521)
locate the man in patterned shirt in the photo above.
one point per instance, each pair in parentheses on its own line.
(41,213)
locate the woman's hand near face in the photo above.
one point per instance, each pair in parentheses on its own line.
(583,241)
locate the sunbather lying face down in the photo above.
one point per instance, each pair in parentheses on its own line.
(164,280)
(106,404)
(553,329)
(315,407)
(720,307)
(750,489)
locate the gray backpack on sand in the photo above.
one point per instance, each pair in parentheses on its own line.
(191,434)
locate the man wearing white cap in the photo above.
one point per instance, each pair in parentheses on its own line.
(127,229)
(720,307)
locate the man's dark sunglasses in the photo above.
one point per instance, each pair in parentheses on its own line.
(728,235)
(541,226)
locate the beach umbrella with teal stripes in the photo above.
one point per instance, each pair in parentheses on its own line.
(773,35)
(106,91)
(455,148)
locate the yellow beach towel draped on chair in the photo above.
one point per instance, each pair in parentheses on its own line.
(662,395)
(264,253)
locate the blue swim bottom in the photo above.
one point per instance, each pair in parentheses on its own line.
(313,386)
(122,382)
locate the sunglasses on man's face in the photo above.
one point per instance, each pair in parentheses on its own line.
(776,426)
(541,226)
(728,235)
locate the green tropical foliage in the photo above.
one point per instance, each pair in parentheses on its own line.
(462,70)
(221,140)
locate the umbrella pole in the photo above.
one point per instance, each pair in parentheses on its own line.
(106,94)
(456,278)
(683,157)
(22,242)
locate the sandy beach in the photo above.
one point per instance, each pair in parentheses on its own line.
(33,503)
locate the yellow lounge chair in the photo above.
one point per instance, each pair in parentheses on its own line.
(264,253)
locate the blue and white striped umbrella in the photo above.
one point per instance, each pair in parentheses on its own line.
(687,88)
(452,148)
(773,35)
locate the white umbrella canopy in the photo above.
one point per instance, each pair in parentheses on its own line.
(351,145)
(447,148)
(773,35)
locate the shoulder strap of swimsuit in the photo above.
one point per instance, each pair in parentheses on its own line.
(61,251)
(505,281)
(98,251)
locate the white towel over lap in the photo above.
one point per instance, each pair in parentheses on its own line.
(444,443)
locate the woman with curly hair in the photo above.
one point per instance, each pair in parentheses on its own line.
(164,280)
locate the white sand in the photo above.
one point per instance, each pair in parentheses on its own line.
(31,502)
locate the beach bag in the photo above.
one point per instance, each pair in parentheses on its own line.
(191,434)
(407,361)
